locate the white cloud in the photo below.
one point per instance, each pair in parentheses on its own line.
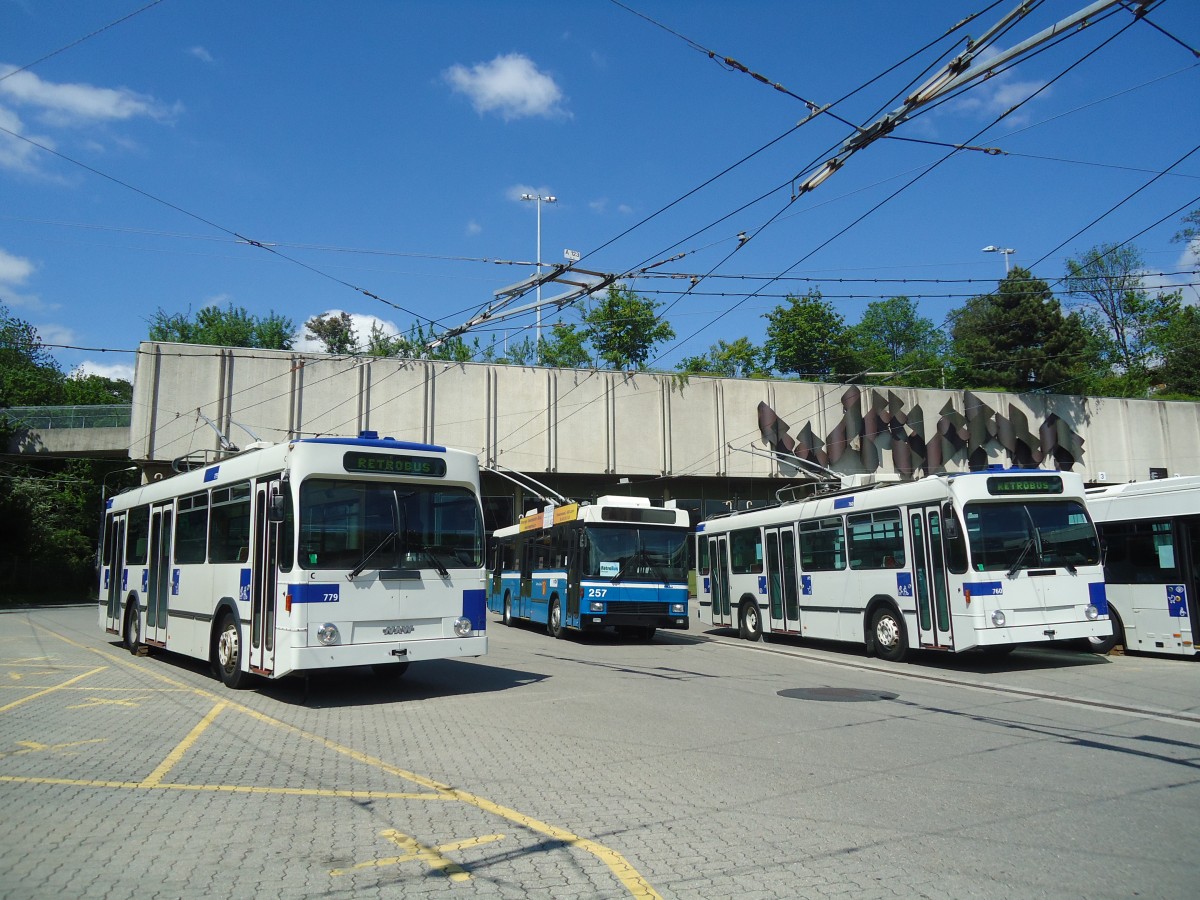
(53,334)
(17,155)
(118,371)
(14,270)
(474,228)
(509,85)
(598,206)
(76,104)
(625,209)
(201,54)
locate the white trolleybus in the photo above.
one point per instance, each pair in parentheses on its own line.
(618,562)
(986,559)
(1151,536)
(292,557)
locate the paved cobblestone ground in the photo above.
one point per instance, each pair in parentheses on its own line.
(595,767)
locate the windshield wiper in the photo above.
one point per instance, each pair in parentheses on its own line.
(641,554)
(1029,545)
(357,570)
(437,563)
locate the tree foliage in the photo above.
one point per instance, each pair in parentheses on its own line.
(892,337)
(229,327)
(808,338)
(736,359)
(624,328)
(1017,339)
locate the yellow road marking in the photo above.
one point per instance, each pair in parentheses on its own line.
(50,690)
(156,777)
(93,702)
(35,747)
(434,857)
(225,788)
(629,877)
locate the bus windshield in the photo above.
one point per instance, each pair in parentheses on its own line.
(381,525)
(635,553)
(1012,536)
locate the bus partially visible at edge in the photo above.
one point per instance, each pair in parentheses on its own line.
(1151,536)
(619,562)
(988,559)
(312,554)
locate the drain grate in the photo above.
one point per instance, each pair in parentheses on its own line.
(837,694)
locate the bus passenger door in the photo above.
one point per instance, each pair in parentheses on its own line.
(264,580)
(158,589)
(934,628)
(781,579)
(718,558)
(114,564)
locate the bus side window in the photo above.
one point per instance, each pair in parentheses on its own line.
(702,553)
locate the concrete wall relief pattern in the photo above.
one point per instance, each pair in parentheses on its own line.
(874,423)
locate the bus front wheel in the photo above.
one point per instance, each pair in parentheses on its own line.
(554,623)
(750,621)
(228,655)
(890,639)
(1102,645)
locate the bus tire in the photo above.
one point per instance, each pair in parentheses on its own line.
(750,621)
(1104,644)
(132,632)
(507,616)
(227,653)
(888,636)
(554,622)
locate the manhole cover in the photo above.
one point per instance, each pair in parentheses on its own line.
(842,695)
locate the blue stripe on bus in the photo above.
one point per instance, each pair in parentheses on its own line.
(984,588)
(315,593)
(843,503)
(474,607)
(1099,596)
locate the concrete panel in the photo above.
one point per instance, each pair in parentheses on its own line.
(601,423)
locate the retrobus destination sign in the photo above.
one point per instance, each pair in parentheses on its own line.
(1010,485)
(394,464)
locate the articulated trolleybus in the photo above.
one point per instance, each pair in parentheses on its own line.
(1151,534)
(312,554)
(986,559)
(618,562)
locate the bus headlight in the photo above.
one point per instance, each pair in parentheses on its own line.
(462,627)
(1091,613)
(678,609)
(998,618)
(596,606)
(327,634)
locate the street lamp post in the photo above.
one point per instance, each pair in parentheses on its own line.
(1007,251)
(539,199)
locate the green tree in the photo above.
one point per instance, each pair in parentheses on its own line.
(29,375)
(1017,339)
(1122,314)
(229,327)
(95,390)
(1179,342)
(565,348)
(739,359)
(336,333)
(807,337)
(893,337)
(624,328)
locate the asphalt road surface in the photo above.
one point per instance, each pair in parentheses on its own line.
(697,765)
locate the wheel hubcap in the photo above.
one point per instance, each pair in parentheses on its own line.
(886,632)
(227,648)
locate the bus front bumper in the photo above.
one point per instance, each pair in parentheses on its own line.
(343,655)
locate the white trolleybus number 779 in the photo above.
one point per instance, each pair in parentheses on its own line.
(312,554)
(986,559)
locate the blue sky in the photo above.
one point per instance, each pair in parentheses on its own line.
(380,150)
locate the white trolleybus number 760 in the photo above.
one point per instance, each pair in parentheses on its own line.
(954,562)
(312,554)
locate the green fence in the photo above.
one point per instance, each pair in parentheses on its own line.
(41,418)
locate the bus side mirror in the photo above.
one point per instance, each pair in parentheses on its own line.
(275,508)
(583,540)
(951,525)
